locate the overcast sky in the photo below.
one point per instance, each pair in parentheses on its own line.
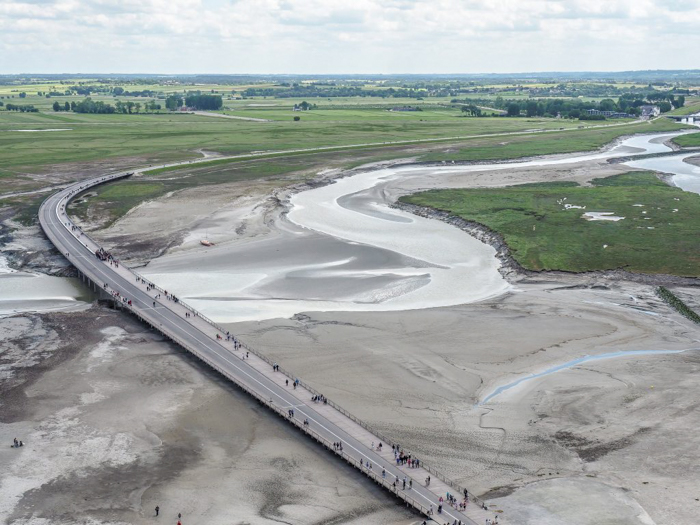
(347,36)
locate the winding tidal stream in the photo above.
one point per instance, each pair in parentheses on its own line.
(343,248)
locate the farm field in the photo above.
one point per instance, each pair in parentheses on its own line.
(545,227)
(548,144)
(86,137)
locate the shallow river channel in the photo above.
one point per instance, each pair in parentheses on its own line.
(343,248)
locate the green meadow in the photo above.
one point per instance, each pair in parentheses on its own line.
(658,234)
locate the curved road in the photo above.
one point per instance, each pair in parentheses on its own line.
(323,421)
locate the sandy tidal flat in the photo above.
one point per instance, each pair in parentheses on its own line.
(116,421)
(305,289)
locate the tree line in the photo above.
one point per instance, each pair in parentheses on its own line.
(315,91)
(90,106)
(574,108)
(21,109)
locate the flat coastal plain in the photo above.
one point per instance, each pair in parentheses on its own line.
(608,441)
(617,432)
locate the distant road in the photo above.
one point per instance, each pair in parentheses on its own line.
(325,422)
(221,115)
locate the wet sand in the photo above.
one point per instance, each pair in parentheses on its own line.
(418,375)
(587,445)
(116,421)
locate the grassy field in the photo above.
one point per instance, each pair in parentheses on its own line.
(31,160)
(112,201)
(98,136)
(547,144)
(688,141)
(543,235)
(178,136)
(692,105)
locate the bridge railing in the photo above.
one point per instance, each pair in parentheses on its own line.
(458,488)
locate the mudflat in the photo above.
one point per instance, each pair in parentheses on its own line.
(609,440)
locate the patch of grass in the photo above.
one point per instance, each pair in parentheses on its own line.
(628,179)
(688,141)
(129,190)
(543,235)
(568,141)
(116,199)
(692,105)
(28,213)
(120,197)
(491,148)
(677,304)
(91,137)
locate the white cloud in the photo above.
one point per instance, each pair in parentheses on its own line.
(337,36)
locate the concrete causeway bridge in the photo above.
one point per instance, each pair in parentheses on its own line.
(323,421)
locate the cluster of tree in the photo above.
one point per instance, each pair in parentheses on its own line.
(471,109)
(666,101)
(204,102)
(119,91)
(317,91)
(135,107)
(90,106)
(305,106)
(553,107)
(88,90)
(57,106)
(22,109)
(194,101)
(173,102)
(576,108)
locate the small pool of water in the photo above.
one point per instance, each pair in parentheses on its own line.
(22,292)
(571,364)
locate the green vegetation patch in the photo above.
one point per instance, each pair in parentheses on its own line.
(567,141)
(546,228)
(688,141)
(677,304)
(119,197)
(114,200)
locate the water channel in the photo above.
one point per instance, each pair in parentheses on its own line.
(341,248)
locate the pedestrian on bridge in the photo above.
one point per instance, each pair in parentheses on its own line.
(157,510)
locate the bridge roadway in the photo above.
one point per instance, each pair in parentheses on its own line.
(327,422)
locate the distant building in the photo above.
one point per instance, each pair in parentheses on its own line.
(608,114)
(649,111)
(618,114)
